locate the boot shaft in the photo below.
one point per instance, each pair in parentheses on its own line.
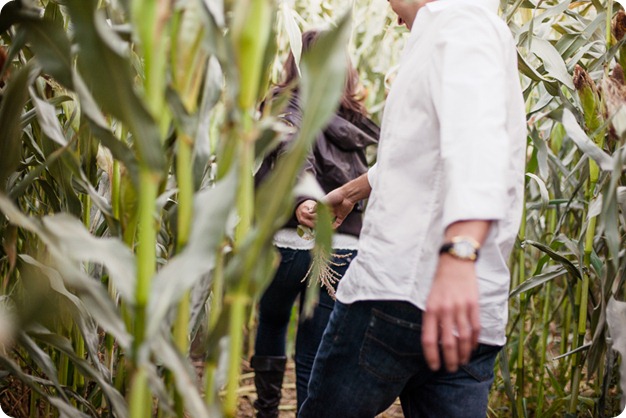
(268,380)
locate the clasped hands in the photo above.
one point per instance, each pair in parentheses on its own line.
(451,323)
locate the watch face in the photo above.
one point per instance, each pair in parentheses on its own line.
(464,249)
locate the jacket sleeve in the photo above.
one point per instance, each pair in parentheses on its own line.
(309,166)
(292,116)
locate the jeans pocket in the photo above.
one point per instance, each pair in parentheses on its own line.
(391,348)
(480,366)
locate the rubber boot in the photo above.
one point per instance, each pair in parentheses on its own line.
(268,379)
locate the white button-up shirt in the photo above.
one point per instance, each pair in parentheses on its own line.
(452,148)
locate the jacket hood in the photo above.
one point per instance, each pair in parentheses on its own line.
(352,136)
(344,134)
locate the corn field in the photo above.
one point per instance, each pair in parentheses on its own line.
(134,243)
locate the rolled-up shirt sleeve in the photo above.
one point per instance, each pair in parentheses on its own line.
(470,103)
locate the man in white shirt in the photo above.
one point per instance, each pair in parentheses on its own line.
(430,284)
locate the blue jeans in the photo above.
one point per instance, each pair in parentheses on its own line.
(275,311)
(371,353)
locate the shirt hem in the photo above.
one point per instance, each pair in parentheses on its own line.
(498,340)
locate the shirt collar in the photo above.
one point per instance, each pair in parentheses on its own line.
(491,5)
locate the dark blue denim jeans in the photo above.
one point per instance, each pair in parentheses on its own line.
(275,311)
(371,353)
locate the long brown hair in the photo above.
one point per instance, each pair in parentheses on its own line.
(351,103)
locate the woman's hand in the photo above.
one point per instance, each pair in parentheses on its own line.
(305,213)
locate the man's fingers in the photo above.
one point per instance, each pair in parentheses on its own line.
(338,221)
(464,330)
(430,340)
(454,332)
(449,342)
(474,316)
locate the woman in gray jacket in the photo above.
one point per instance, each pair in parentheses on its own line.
(337,157)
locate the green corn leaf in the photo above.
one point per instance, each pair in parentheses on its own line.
(597,351)
(189,55)
(252,23)
(52,48)
(53,13)
(551,273)
(213,85)
(65,346)
(48,121)
(621,199)
(43,360)
(107,75)
(74,305)
(580,349)
(567,264)
(87,289)
(552,60)
(609,218)
(323,247)
(548,12)
(530,72)
(616,318)
(543,190)
(323,70)
(100,129)
(293,31)
(542,154)
(79,245)
(184,376)
(506,377)
(11,107)
(215,9)
(66,410)
(583,142)
(212,208)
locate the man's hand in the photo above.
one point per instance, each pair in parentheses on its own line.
(340,205)
(343,199)
(305,213)
(451,315)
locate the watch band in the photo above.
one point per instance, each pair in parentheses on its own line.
(461,247)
